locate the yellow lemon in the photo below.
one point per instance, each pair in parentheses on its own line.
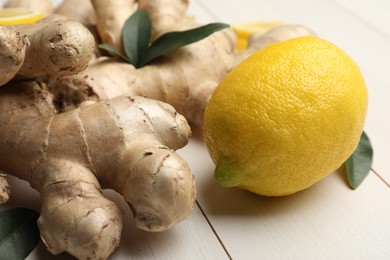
(12,16)
(245,30)
(286,117)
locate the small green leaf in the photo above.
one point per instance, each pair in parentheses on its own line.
(112,49)
(359,163)
(174,40)
(136,35)
(19,233)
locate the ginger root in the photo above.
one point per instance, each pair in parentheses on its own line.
(58,46)
(4,188)
(166,15)
(125,144)
(84,12)
(111,16)
(12,53)
(53,46)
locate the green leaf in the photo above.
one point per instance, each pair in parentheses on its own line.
(136,35)
(19,233)
(174,40)
(112,49)
(359,163)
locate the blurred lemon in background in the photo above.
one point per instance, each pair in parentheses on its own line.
(245,30)
(12,16)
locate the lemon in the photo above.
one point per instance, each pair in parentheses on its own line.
(245,30)
(11,16)
(286,117)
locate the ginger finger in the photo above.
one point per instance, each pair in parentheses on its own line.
(111,16)
(75,217)
(166,15)
(159,199)
(4,189)
(84,13)
(12,53)
(57,47)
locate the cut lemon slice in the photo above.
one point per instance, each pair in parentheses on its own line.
(245,30)
(11,16)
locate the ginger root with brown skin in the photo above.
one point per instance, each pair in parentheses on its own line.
(166,15)
(53,46)
(12,52)
(84,12)
(4,188)
(125,144)
(111,15)
(58,46)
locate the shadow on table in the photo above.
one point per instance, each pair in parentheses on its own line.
(218,200)
(136,243)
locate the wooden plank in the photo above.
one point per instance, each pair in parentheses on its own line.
(376,13)
(200,13)
(191,239)
(326,221)
(366,46)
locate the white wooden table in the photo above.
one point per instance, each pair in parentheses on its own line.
(326,221)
